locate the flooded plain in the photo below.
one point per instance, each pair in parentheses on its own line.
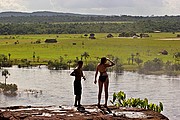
(40,86)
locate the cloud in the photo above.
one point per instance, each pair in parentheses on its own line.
(107,7)
(133,7)
(171,6)
(91,3)
(15,5)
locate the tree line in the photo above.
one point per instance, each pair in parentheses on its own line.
(143,26)
(78,24)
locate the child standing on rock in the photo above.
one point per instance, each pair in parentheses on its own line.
(78,73)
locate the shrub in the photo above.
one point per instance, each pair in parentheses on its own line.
(57,65)
(9,89)
(178,35)
(152,65)
(91,66)
(118,68)
(138,61)
(119,100)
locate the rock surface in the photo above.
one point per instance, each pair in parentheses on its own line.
(86,112)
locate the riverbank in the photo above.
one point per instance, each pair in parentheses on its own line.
(81,113)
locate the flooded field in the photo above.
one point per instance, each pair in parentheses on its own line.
(40,86)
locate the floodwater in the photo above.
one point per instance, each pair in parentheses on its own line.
(40,86)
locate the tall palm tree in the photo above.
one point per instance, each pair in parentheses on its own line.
(132,58)
(5,73)
(69,63)
(38,58)
(9,56)
(85,55)
(34,55)
(61,59)
(176,56)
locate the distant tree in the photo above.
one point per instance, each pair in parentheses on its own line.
(34,56)
(65,55)
(176,56)
(9,55)
(5,73)
(132,58)
(69,63)
(154,65)
(138,61)
(61,59)
(128,59)
(38,58)
(85,55)
(118,65)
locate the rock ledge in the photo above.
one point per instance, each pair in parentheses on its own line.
(90,112)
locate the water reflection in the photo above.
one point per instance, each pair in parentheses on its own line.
(57,88)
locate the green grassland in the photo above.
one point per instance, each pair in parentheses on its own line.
(148,48)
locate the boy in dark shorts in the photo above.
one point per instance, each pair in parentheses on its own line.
(77,83)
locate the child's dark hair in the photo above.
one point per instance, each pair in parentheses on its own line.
(103,60)
(80,62)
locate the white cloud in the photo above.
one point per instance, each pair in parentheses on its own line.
(110,7)
(133,7)
(9,5)
(171,6)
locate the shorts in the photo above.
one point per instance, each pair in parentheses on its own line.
(103,78)
(77,87)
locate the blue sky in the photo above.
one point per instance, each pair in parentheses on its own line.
(104,7)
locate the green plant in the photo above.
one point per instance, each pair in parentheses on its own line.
(57,65)
(90,66)
(119,100)
(9,89)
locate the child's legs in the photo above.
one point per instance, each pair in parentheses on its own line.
(76,99)
(79,99)
(77,91)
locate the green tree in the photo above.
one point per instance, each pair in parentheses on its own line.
(176,56)
(5,73)
(85,55)
(9,55)
(38,58)
(69,63)
(34,56)
(138,61)
(132,58)
(61,59)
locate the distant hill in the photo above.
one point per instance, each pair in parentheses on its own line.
(53,17)
(38,13)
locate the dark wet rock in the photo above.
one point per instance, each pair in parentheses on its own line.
(86,112)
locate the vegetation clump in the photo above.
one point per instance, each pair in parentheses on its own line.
(57,65)
(5,61)
(8,89)
(119,100)
(157,66)
(90,66)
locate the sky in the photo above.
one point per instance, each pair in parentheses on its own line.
(98,7)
